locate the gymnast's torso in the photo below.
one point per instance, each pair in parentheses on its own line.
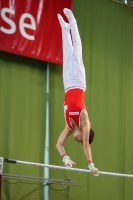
(73,107)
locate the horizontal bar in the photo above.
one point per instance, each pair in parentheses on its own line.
(38,179)
(129,3)
(65,168)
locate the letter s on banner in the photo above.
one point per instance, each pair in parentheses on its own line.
(9,21)
(23,25)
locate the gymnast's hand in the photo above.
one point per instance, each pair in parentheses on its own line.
(67,161)
(93,169)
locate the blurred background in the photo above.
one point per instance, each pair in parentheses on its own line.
(107,38)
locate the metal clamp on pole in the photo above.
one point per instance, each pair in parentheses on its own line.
(1,165)
(7,160)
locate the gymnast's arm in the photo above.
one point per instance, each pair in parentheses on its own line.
(85,127)
(61,140)
(59,145)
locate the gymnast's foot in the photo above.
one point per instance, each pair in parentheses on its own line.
(69,15)
(62,22)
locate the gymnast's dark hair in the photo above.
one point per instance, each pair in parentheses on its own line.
(92,134)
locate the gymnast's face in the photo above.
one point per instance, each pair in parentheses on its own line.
(78,137)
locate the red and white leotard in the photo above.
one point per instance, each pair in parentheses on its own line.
(73,106)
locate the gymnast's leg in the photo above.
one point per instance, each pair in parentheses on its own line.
(77,61)
(67,51)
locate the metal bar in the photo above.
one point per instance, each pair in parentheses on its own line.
(65,168)
(128,3)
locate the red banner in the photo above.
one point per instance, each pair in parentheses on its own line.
(30,28)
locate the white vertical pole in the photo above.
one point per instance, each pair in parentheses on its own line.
(46,150)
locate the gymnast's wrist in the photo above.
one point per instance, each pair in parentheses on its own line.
(90,164)
(64,157)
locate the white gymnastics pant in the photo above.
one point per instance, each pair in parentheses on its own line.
(73,67)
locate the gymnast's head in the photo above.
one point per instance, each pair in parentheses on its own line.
(79,138)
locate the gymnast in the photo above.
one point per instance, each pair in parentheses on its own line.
(74,80)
